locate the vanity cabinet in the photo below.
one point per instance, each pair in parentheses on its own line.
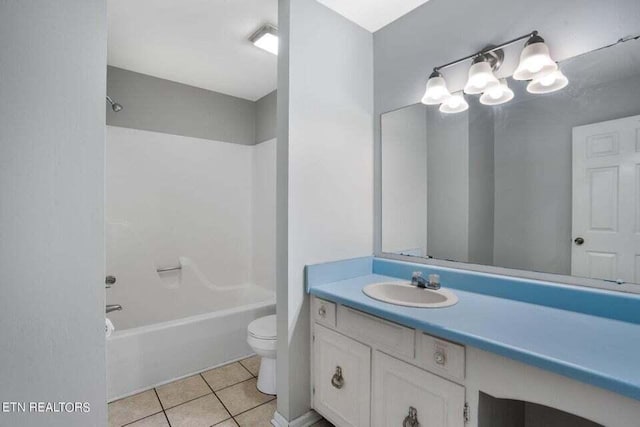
(342,380)
(369,371)
(386,336)
(403,391)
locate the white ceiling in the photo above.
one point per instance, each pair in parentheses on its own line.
(201,43)
(204,43)
(372,14)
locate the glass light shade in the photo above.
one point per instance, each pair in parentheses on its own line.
(535,62)
(436,91)
(454,104)
(497,95)
(548,83)
(481,78)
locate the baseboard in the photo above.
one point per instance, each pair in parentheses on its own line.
(305,420)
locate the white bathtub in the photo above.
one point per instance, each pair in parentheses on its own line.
(144,357)
(175,324)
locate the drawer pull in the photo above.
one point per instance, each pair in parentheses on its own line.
(440,357)
(337,380)
(322,311)
(411,420)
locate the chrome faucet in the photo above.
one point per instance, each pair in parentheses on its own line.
(433,283)
(113,307)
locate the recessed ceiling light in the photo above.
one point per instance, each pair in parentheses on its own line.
(266,38)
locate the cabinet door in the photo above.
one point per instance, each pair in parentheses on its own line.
(398,386)
(342,370)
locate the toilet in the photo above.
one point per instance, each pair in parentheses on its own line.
(261,336)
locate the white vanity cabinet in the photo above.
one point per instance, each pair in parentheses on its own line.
(401,390)
(341,378)
(366,373)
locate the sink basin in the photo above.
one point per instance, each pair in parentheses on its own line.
(408,295)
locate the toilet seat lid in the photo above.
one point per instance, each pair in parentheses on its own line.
(264,327)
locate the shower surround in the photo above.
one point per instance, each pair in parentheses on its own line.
(207,207)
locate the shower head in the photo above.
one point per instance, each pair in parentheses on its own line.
(114,105)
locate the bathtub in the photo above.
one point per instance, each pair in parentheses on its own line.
(187,326)
(141,358)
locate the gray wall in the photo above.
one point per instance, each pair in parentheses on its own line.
(160,105)
(448,185)
(457,180)
(481,183)
(404,184)
(327,62)
(533,170)
(543,416)
(437,32)
(266,108)
(52,63)
(406,50)
(494,412)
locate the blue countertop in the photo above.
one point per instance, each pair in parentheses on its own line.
(598,349)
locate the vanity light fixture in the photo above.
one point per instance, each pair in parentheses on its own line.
(454,104)
(436,91)
(535,65)
(481,77)
(535,60)
(548,83)
(497,95)
(266,37)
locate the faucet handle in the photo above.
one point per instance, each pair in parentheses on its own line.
(417,279)
(434,282)
(109,280)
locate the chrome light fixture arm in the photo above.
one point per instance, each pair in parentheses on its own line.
(486,52)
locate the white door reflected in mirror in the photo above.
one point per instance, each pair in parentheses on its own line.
(606,221)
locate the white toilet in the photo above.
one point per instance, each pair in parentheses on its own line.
(261,337)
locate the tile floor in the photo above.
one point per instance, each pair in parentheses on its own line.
(222,397)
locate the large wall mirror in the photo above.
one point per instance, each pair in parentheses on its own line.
(546,183)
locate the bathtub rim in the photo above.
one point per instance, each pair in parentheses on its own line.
(123,333)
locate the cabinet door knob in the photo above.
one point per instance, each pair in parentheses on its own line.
(411,420)
(440,357)
(322,311)
(337,380)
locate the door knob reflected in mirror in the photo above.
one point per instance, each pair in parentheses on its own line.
(579,241)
